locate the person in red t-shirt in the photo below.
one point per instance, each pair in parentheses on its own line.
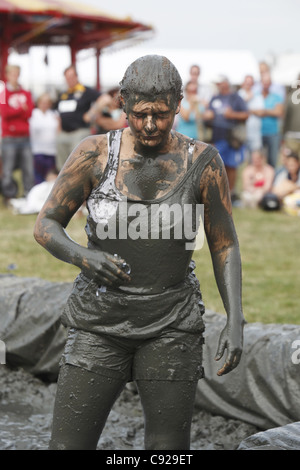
(16,148)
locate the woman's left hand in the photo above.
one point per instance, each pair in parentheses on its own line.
(231,339)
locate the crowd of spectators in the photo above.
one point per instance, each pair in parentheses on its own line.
(255,126)
(37,138)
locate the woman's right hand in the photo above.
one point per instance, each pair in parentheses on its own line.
(104,268)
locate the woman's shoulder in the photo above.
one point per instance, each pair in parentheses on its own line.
(91,150)
(205,150)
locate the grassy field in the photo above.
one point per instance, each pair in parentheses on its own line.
(269,244)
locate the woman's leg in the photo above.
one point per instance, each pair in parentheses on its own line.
(168,410)
(82,405)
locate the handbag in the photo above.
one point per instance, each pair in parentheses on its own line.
(237,136)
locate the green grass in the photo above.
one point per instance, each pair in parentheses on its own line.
(269,244)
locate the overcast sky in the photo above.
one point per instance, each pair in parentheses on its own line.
(261,26)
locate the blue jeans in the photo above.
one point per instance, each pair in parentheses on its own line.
(16,153)
(272,144)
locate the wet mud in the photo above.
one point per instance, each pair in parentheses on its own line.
(26,405)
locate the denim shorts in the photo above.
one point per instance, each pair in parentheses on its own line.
(172,355)
(232,158)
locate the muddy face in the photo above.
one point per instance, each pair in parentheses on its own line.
(151,123)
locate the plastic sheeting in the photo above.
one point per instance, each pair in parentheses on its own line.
(282,438)
(264,389)
(30,325)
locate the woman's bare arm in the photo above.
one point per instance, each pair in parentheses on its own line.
(81,172)
(225,254)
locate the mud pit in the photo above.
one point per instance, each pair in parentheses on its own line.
(26,414)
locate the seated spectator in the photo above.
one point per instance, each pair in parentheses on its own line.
(44,125)
(287,181)
(36,197)
(257,179)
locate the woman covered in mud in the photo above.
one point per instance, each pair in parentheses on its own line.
(135,311)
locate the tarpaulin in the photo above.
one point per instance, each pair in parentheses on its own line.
(264,389)
(30,325)
(282,438)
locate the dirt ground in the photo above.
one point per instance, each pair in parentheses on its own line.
(26,405)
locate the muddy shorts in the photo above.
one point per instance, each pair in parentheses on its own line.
(173,355)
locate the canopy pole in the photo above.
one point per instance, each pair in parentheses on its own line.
(3,59)
(73,51)
(98,82)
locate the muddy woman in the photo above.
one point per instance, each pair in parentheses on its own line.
(135,311)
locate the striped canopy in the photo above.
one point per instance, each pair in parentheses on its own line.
(26,23)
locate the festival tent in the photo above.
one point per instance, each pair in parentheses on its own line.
(56,22)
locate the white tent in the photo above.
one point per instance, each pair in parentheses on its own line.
(286,69)
(37,76)
(235,64)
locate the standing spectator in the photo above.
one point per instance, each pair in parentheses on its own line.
(271,115)
(16,148)
(203,91)
(291,121)
(72,105)
(226,110)
(253,123)
(107,114)
(195,72)
(277,88)
(44,124)
(189,120)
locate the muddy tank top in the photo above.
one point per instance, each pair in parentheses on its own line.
(155,238)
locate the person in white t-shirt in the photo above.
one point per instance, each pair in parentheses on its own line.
(44,124)
(253,124)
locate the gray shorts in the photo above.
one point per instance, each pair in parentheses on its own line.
(172,355)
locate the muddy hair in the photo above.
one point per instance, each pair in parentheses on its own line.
(149,78)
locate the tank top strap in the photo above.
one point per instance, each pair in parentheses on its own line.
(113,147)
(106,186)
(190,153)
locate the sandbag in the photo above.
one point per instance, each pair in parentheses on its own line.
(264,390)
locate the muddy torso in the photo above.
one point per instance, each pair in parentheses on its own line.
(164,290)
(140,211)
